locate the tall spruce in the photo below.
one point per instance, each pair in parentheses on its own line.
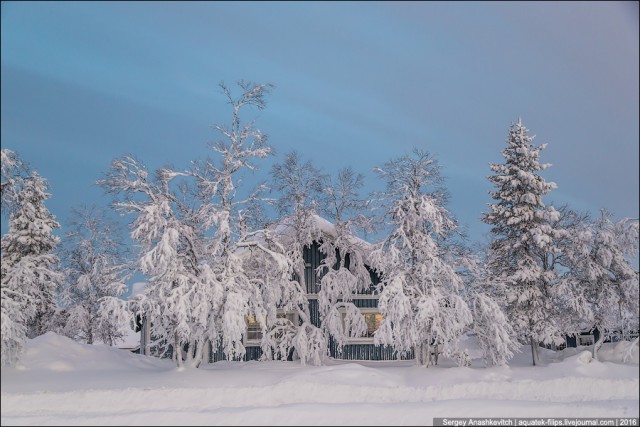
(523,241)
(29,272)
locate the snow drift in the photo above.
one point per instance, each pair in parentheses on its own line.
(59,381)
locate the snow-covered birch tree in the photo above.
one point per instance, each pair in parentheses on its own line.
(96,268)
(571,232)
(30,276)
(601,277)
(420,288)
(194,241)
(177,300)
(343,268)
(523,241)
(485,298)
(299,185)
(226,213)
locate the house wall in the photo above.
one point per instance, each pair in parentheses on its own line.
(367,352)
(252,353)
(572,340)
(312,258)
(357,351)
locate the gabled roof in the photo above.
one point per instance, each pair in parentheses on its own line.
(321,228)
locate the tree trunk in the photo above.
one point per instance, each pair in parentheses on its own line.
(194,355)
(177,351)
(145,337)
(426,354)
(435,354)
(534,351)
(598,344)
(420,353)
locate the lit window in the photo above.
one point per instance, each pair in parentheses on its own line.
(373,321)
(254,333)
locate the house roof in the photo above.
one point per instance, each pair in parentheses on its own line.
(321,227)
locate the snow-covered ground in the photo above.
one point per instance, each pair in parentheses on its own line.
(61,382)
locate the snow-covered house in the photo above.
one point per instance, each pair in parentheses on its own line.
(590,335)
(366,300)
(587,336)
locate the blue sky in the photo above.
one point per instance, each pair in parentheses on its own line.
(356,84)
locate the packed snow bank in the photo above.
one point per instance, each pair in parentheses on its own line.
(61,382)
(623,352)
(620,352)
(52,352)
(585,357)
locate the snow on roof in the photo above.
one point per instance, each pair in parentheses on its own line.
(137,288)
(323,228)
(320,229)
(131,340)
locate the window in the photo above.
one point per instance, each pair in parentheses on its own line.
(254,331)
(373,323)
(585,340)
(372,318)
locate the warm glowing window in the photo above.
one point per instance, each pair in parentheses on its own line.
(254,333)
(373,321)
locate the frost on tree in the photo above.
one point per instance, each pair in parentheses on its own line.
(29,267)
(96,270)
(193,227)
(299,185)
(601,277)
(485,298)
(14,302)
(343,270)
(420,296)
(524,240)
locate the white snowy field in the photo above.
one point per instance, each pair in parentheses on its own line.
(60,382)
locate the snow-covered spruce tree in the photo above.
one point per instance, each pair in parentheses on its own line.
(14,171)
(343,268)
(30,276)
(14,302)
(524,240)
(420,288)
(96,268)
(485,298)
(300,185)
(602,277)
